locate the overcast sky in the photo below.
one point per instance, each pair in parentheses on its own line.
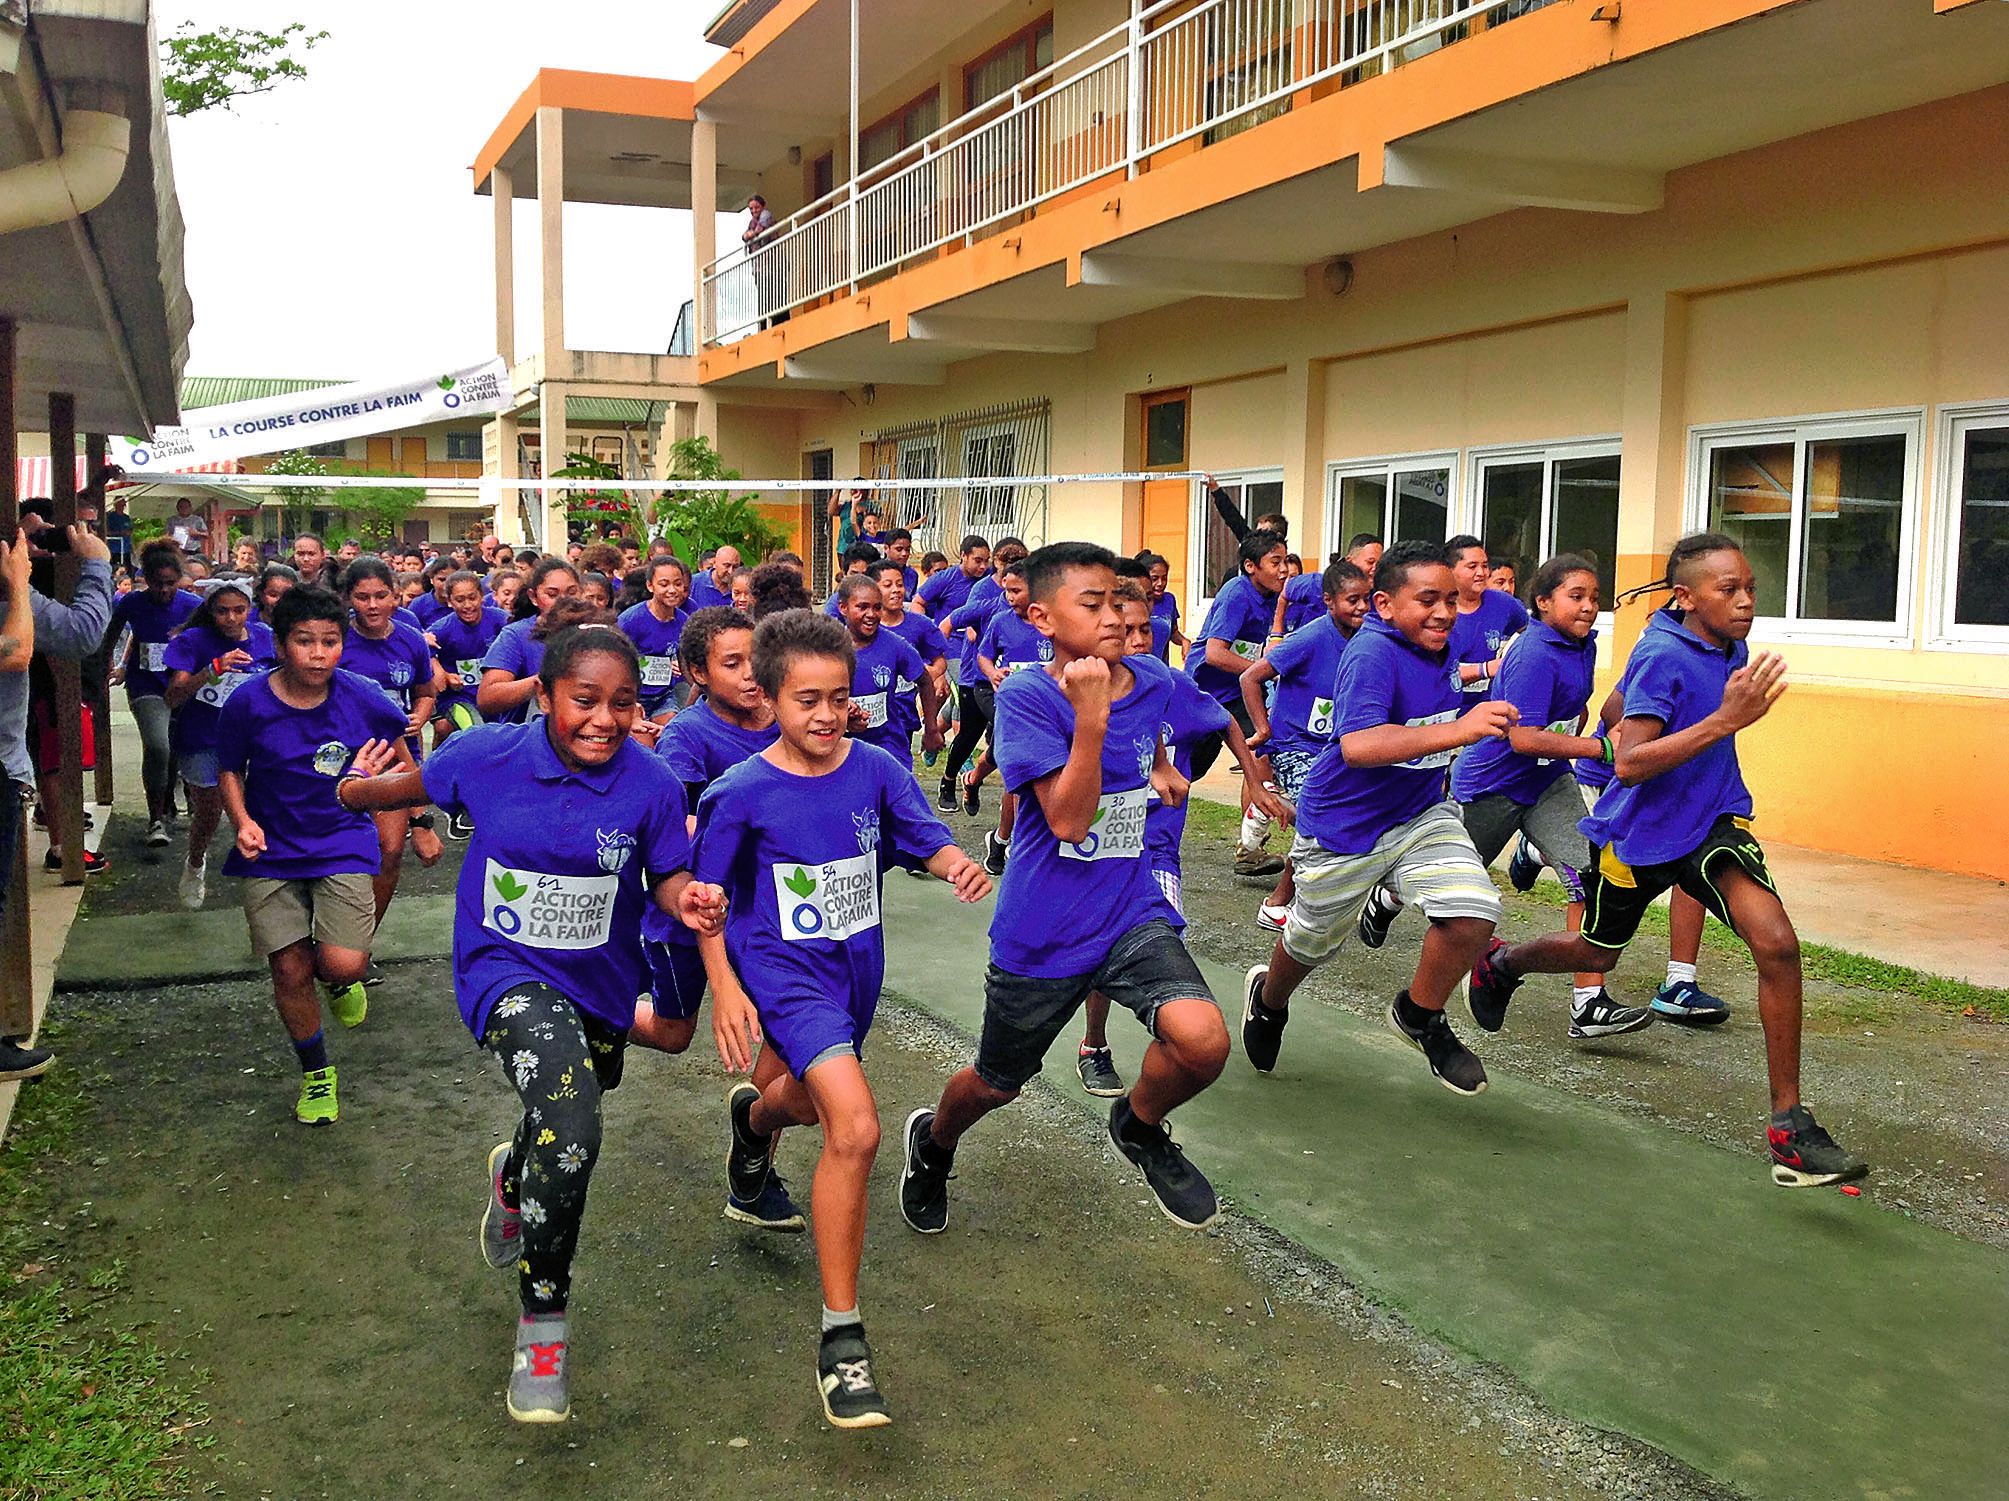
(333,229)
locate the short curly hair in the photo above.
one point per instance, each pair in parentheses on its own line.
(782,637)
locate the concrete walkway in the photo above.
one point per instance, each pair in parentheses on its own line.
(1790,1343)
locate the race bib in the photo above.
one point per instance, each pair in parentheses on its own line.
(153,655)
(1320,720)
(469,669)
(216,694)
(1117,832)
(874,705)
(1250,649)
(1560,727)
(1436,758)
(828,901)
(548,912)
(658,672)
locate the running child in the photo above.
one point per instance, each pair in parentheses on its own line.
(654,626)
(1165,632)
(153,614)
(798,836)
(889,672)
(1487,618)
(940,595)
(914,628)
(974,691)
(283,738)
(577,831)
(1681,816)
(1079,909)
(508,688)
(1373,811)
(1007,644)
(216,651)
(1236,630)
(461,639)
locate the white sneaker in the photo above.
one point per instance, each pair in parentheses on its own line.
(156,833)
(194,886)
(1271,919)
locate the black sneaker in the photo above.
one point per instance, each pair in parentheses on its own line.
(748,1158)
(851,1397)
(1805,1156)
(770,1209)
(95,864)
(1262,1028)
(972,803)
(374,975)
(1377,916)
(19,1061)
(1601,1016)
(945,800)
(459,826)
(1525,868)
(924,1185)
(1184,1194)
(1456,1066)
(1098,1073)
(995,851)
(1492,988)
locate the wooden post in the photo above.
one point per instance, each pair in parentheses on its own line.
(67,673)
(17,972)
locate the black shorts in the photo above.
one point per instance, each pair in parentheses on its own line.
(1207,749)
(1023,1014)
(1616,895)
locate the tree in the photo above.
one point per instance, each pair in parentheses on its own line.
(377,511)
(590,507)
(694,520)
(202,70)
(297,503)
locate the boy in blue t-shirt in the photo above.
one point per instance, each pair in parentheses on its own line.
(283,739)
(914,628)
(799,837)
(939,595)
(1373,811)
(1681,816)
(1079,909)
(1007,644)
(889,673)
(975,693)
(1487,619)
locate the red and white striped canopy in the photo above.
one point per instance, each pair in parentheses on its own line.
(35,476)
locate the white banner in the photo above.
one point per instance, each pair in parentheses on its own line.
(272,424)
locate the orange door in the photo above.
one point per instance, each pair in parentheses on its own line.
(1167,502)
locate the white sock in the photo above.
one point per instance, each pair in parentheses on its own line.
(1583,995)
(1255,829)
(1677,972)
(832,1319)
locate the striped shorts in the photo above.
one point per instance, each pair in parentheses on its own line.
(1429,862)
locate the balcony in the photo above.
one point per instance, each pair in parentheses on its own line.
(1172,79)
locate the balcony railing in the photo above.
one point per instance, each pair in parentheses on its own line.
(1177,72)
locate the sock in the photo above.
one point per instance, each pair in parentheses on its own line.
(1677,972)
(1255,829)
(934,1153)
(1410,1014)
(832,1319)
(1783,1119)
(1583,995)
(313,1054)
(1088,1048)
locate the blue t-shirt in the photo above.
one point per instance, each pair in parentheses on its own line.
(699,747)
(1190,716)
(1307,668)
(1161,638)
(192,651)
(1013,643)
(1062,906)
(1241,616)
(1384,678)
(705,594)
(656,642)
(290,760)
(800,859)
(1478,637)
(151,624)
(940,594)
(430,607)
(1164,608)
(1547,677)
(883,685)
(918,632)
(518,654)
(461,651)
(974,614)
(560,868)
(1304,600)
(400,664)
(1676,677)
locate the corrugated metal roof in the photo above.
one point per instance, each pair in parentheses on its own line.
(735,21)
(218,390)
(611,409)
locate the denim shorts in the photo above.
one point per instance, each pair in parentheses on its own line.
(198,768)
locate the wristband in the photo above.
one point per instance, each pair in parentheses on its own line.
(1610,754)
(340,782)
(217,669)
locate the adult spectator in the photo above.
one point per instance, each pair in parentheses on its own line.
(489,546)
(847,508)
(759,231)
(245,557)
(714,586)
(119,532)
(350,550)
(187,530)
(311,561)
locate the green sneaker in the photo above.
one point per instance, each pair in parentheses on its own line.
(317,1098)
(350,1003)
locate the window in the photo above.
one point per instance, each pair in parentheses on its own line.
(990,508)
(463,447)
(1822,509)
(1258,492)
(1535,505)
(1165,432)
(913,121)
(1006,67)
(607,450)
(1248,58)
(336,450)
(1397,500)
(920,510)
(1975,446)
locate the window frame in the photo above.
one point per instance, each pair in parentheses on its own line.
(1907,423)
(1548,455)
(1450,460)
(1200,511)
(1943,632)
(897,118)
(448,441)
(1026,40)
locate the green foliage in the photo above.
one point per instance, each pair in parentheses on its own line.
(202,70)
(591,507)
(693,521)
(147,529)
(374,513)
(297,503)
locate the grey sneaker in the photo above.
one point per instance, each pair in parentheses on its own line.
(501,1221)
(1601,1016)
(537,1392)
(844,1380)
(1257,863)
(1098,1073)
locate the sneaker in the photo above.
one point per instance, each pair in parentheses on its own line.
(1257,863)
(459,826)
(945,800)
(1262,1028)
(156,833)
(1377,916)
(350,1003)
(194,886)
(930,757)
(844,1380)
(316,1105)
(19,1061)
(995,850)
(770,1209)
(1601,1016)
(924,1186)
(1184,1195)
(537,1391)
(1456,1066)
(1805,1156)
(1491,989)
(972,802)
(750,1156)
(1686,1002)
(1098,1073)
(1526,867)
(501,1222)
(373,975)
(95,864)
(1271,919)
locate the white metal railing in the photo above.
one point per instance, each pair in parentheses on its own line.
(1174,72)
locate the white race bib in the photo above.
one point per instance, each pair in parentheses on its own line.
(658,672)
(216,694)
(153,655)
(828,901)
(1436,758)
(874,705)
(1117,832)
(1320,720)
(548,912)
(1560,727)
(469,669)
(1253,650)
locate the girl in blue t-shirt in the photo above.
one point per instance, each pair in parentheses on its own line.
(654,625)
(799,836)
(1164,606)
(216,651)
(152,614)
(578,830)
(508,688)
(461,637)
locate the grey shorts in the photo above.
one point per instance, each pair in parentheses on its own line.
(337,910)
(1550,822)
(1428,862)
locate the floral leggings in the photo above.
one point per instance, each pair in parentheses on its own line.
(560,1061)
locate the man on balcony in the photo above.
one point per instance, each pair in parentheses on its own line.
(766,270)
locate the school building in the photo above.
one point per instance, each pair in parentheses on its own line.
(1583,274)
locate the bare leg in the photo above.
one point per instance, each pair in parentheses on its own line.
(843,1103)
(1285,888)
(1281,983)
(392,829)
(205,811)
(1761,921)
(1451,946)
(1573,921)
(1684,928)
(966,1099)
(1190,1050)
(293,989)
(1095,1021)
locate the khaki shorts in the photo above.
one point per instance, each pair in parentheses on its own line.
(337,910)
(1429,862)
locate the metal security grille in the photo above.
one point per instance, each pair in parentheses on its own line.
(987,442)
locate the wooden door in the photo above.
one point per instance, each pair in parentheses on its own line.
(1168,502)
